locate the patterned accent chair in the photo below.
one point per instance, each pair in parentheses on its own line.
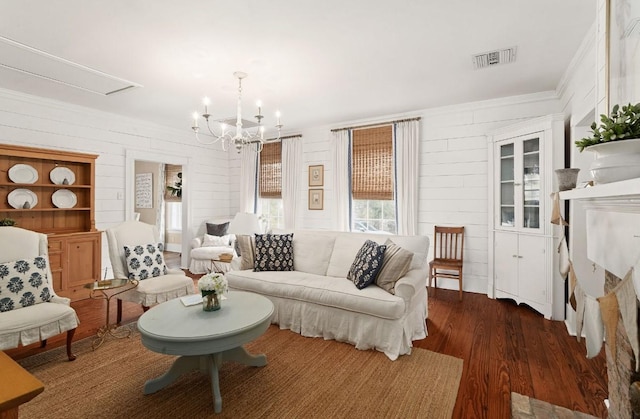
(37,322)
(152,290)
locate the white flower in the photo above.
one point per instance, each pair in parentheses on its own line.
(213,282)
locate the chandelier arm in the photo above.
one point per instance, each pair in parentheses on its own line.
(242,137)
(201,141)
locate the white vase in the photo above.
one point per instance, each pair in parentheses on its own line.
(615,161)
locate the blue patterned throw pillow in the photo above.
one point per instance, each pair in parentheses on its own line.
(367,264)
(145,261)
(274,252)
(24,283)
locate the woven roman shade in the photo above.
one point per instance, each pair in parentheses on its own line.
(270,174)
(372,163)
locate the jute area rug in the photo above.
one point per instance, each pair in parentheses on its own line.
(304,377)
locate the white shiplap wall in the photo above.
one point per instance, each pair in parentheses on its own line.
(453,171)
(38,122)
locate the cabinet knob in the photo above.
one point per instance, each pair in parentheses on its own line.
(515,256)
(520,257)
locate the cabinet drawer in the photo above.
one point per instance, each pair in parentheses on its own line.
(55,245)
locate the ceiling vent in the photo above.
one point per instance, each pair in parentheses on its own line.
(37,63)
(488,59)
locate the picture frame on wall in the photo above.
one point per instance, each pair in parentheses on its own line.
(622,50)
(316,199)
(316,175)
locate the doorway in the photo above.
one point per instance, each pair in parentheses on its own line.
(151,206)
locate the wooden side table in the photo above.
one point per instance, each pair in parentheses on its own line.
(18,386)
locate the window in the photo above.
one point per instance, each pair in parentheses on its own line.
(174,215)
(270,185)
(372,180)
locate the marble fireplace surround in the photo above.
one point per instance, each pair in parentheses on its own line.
(613,242)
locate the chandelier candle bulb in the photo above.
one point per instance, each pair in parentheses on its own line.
(206,103)
(195,120)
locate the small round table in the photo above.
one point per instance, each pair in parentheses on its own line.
(205,339)
(106,290)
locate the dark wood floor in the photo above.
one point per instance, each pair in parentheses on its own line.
(505,348)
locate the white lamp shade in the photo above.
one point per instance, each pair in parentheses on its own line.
(244,224)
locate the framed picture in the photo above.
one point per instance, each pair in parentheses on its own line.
(316,175)
(316,199)
(623,50)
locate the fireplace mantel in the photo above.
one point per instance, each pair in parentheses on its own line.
(623,196)
(613,223)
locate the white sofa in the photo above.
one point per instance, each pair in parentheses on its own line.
(317,300)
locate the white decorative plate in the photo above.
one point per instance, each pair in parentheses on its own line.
(18,197)
(23,173)
(64,198)
(59,174)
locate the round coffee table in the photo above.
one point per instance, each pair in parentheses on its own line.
(205,339)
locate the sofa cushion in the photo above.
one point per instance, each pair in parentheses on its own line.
(347,245)
(274,252)
(367,264)
(145,260)
(217,229)
(24,283)
(395,265)
(321,290)
(345,249)
(312,252)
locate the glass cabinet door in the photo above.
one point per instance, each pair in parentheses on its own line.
(519,183)
(507,186)
(531,183)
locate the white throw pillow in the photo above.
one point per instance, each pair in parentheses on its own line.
(214,241)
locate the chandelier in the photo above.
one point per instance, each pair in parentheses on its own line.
(241,137)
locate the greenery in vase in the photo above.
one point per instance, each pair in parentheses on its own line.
(7,222)
(213,282)
(623,124)
(177,189)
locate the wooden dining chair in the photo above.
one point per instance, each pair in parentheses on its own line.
(448,248)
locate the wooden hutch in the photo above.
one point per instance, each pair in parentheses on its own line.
(61,185)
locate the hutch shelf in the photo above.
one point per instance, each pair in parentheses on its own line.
(64,209)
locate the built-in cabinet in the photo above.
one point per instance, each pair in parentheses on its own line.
(58,190)
(523,263)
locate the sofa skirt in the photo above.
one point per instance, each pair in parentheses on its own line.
(394,337)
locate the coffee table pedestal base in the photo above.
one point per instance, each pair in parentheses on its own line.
(210,365)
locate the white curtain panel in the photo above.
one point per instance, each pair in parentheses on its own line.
(341,178)
(407,141)
(160,210)
(248,173)
(291,162)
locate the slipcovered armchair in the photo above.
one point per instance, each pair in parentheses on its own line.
(208,247)
(30,310)
(141,242)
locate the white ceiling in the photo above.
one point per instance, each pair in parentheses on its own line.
(319,62)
